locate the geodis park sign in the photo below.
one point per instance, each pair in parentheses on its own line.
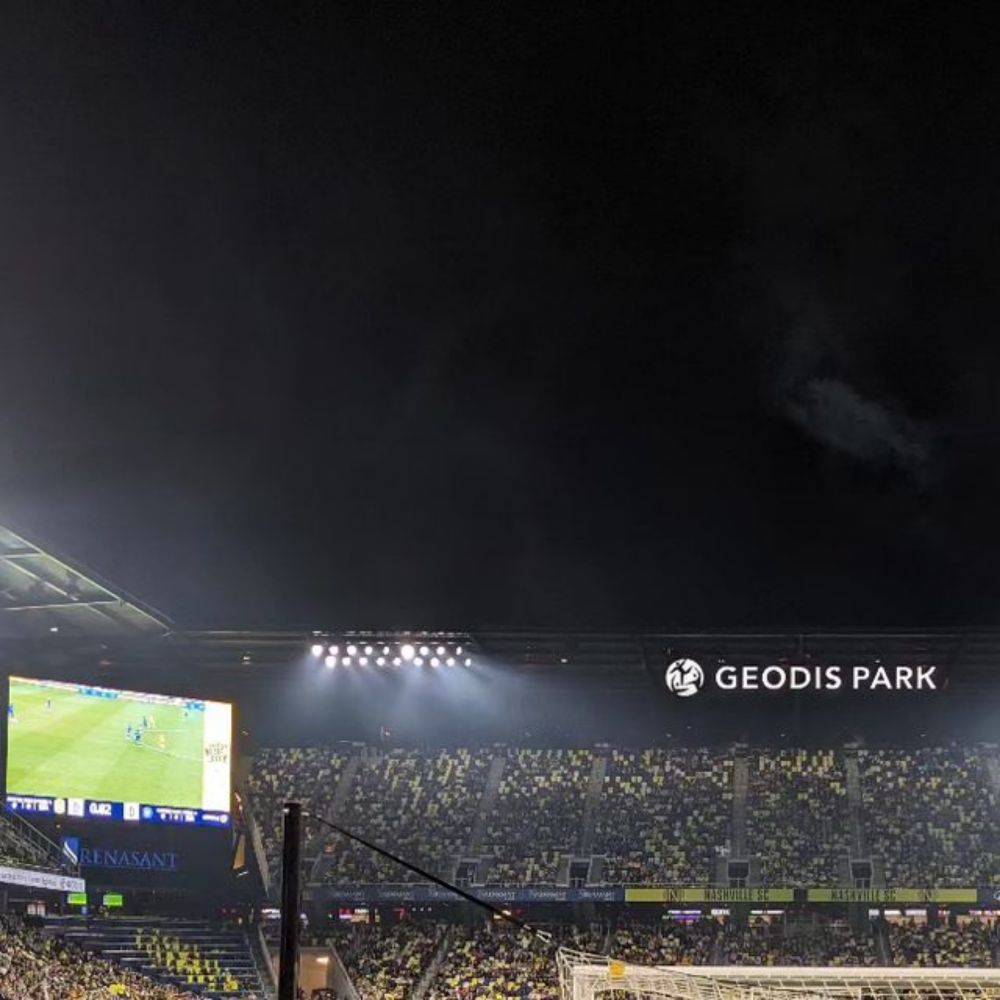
(686,677)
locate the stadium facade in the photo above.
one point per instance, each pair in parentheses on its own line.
(568,775)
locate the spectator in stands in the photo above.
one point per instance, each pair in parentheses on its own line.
(797,816)
(970,944)
(766,943)
(666,943)
(931,816)
(386,963)
(421,806)
(663,815)
(308,775)
(34,966)
(538,814)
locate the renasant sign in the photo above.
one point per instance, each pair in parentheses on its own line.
(686,677)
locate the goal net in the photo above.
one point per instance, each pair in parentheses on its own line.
(585,976)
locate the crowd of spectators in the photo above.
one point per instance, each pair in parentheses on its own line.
(386,963)
(764,942)
(35,966)
(306,774)
(538,814)
(664,815)
(497,961)
(931,815)
(667,943)
(970,944)
(797,816)
(421,806)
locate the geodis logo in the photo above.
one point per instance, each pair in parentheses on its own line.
(685,677)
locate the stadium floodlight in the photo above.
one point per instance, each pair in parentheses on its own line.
(440,651)
(396,661)
(331,662)
(407,651)
(450,661)
(317,650)
(347,661)
(418,661)
(363,661)
(334,650)
(424,650)
(468,661)
(385,650)
(368,651)
(380,661)
(458,650)
(352,650)
(435,662)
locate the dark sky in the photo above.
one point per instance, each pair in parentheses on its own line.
(444,314)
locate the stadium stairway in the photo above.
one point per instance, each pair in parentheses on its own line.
(24,846)
(126,941)
(486,803)
(741,791)
(316,834)
(598,769)
(429,974)
(859,847)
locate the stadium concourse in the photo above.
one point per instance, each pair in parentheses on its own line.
(642,821)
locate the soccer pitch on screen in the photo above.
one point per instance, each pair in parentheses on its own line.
(87,742)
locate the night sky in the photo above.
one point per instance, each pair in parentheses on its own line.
(459,315)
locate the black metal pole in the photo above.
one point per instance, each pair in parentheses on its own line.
(291,860)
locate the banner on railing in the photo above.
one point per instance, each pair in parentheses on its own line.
(41,880)
(664,895)
(883,897)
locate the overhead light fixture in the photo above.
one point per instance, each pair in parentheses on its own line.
(331,662)
(317,650)
(407,651)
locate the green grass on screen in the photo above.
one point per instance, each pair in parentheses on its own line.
(79,749)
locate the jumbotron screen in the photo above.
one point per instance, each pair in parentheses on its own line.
(91,752)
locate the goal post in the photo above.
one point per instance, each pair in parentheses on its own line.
(584,976)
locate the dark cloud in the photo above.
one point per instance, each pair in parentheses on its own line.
(836,415)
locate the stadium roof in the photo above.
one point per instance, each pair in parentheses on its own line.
(600,654)
(41,594)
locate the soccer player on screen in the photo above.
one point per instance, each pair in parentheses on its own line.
(10,712)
